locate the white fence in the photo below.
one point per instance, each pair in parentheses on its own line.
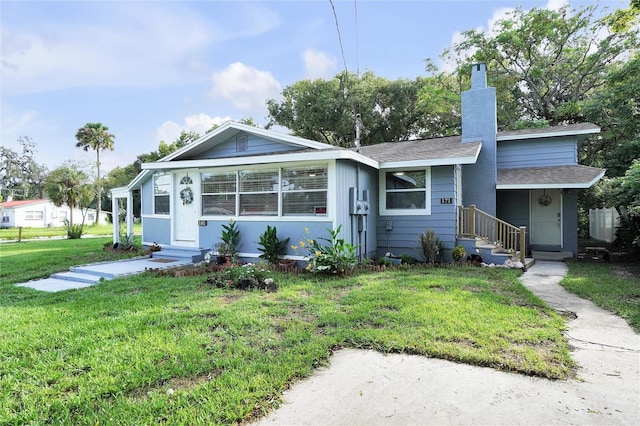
(603,224)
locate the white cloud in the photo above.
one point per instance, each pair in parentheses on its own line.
(117,44)
(245,87)
(318,64)
(556,4)
(169,131)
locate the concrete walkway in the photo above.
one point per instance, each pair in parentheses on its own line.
(369,388)
(91,274)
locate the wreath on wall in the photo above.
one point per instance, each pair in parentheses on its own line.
(186,195)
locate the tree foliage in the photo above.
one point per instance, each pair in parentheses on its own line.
(325,110)
(67,185)
(21,177)
(548,61)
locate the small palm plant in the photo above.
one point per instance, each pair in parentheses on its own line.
(271,246)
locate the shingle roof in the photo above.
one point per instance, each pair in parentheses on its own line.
(571,176)
(569,129)
(448,148)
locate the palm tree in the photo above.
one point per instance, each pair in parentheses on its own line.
(66,185)
(95,136)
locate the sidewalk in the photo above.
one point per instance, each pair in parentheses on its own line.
(88,275)
(369,388)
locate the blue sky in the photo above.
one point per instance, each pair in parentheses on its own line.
(148,69)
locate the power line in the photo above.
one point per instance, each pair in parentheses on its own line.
(335,17)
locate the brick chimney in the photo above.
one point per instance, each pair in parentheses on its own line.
(480,123)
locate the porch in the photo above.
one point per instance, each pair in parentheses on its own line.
(493,239)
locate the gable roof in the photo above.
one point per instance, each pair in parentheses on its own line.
(231,128)
(423,152)
(580,129)
(20,203)
(571,176)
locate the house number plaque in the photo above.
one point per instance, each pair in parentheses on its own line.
(446,200)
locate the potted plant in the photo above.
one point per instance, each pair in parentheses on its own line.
(271,246)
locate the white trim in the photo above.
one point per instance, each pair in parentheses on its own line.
(382,195)
(534,135)
(334,154)
(428,163)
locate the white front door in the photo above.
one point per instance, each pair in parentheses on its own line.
(185,216)
(546,217)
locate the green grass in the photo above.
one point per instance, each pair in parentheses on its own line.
(612,286)
(29,260)
(150,349)
(60,231)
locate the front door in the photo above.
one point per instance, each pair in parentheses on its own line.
(185,217)
(546,217)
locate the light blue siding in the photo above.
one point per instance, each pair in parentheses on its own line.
(156,230)
(537,153)
(513,207)
(403,238)
(255,146)
(250,231)
(570,221)
(347,174)
(146,197)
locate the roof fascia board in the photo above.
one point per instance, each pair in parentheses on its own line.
(548,134)
(435,162)
(282,158)
(572,185)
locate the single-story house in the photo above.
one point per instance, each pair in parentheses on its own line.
(42,213)
(515,190)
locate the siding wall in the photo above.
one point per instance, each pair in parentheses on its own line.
(537,153)
(255,146)
(403,238)
(156,230)
(513,206)
(346,175)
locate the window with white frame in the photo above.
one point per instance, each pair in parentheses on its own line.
(64,215)
(34,215)
(219,193)
(290,191)
(304,191)
(405,192)
(259,192)
(161,194)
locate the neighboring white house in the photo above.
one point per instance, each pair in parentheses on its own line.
(42,213)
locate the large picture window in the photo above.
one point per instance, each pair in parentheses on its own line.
(406,192)
(292,191)
(161,194)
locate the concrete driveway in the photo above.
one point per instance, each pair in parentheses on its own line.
(369,388)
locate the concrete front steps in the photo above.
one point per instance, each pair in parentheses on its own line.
(491,253)
(91,274)
(191,254)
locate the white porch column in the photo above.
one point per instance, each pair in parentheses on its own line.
(115,218)
(129,213)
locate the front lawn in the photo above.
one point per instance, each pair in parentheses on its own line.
(149,349)
(612,286)
(59,231)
